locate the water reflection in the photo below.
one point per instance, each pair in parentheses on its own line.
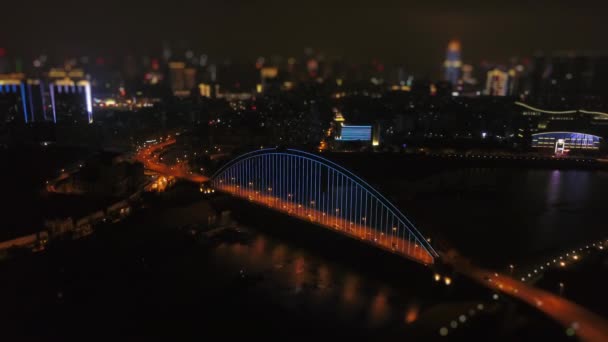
(553,188)
(379,308)
(259,245)
(279,253)
(324,280)
(298,273)
(484,213)
(350,290)
(567,195)
(411,314)
(296,276)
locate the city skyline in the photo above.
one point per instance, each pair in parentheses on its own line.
(396,33)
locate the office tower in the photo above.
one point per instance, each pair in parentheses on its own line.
(452,62)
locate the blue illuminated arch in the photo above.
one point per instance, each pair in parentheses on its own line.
(317,189)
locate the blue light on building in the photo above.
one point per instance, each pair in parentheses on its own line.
(23,102)
(355,133)
(452,62)
(566,141)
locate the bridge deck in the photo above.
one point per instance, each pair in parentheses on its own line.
(392,242)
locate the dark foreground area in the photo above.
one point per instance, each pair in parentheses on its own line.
(161,273)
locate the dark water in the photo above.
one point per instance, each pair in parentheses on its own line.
(502,216)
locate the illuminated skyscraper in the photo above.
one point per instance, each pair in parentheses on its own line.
(189,79)
(497,83)
(183,79)
(177,77)
(68,97)
(452,62)
(13,92)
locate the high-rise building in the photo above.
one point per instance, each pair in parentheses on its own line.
(69,96)
(177,77)
(267,75)
(575,76)
(36,105)
(13,99)
(497,83)
(452,62)
(189,79)
(182,78)
(205,89)
(4,62)
(71,101)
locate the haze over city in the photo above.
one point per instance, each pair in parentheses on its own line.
(401,32)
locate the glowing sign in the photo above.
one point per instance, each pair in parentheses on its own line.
(355,133)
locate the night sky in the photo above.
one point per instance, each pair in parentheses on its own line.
(411,33)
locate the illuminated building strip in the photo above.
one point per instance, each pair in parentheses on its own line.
(52,92)
(571,140)
(544,111)
(592,113)
(521,104)
(23,101)
(87,90)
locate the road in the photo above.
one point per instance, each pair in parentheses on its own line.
(393,242)
(51,184)
(149,157)
(587,325)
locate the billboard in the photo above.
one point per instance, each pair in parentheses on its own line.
(355,133)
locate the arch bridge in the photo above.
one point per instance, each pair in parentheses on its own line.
(312,188)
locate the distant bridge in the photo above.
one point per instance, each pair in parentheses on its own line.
(318,190)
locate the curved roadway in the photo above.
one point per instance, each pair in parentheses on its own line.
(147,157)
